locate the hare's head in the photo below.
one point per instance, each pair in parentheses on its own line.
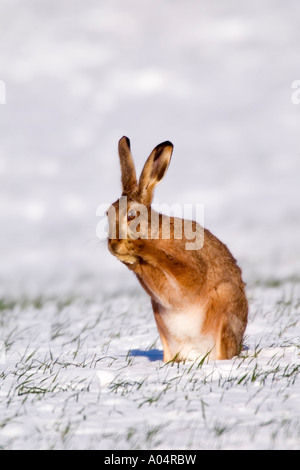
(129,216)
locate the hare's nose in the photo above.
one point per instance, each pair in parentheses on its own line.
(112,245)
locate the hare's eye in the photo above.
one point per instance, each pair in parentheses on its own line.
(131,214)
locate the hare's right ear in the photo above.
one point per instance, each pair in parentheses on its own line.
(128,175)
(154,170)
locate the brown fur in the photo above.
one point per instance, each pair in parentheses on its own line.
(180,282)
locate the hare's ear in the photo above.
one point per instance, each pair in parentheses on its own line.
(128,175)
(154,170)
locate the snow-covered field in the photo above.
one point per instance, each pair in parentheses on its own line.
(80,358)
(87,373)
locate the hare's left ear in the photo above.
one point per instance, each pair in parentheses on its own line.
(154,170)
(128,175)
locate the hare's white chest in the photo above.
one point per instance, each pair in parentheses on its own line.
(184,333)
(184,323)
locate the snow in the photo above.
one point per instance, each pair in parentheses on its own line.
(80,358)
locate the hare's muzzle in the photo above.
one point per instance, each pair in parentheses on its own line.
(113,245)
(119,249)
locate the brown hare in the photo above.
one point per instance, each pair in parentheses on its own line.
(198,295)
